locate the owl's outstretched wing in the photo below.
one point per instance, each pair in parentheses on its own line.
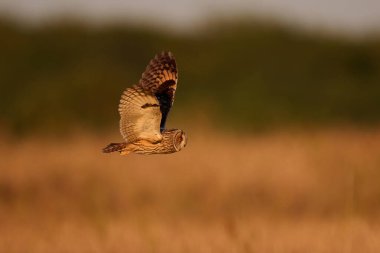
(140,115)
(160,78)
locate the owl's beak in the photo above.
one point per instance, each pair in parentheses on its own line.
(184,134)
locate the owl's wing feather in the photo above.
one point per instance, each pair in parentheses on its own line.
(160,78)
(140,115)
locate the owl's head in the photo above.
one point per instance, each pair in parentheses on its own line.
(179,140)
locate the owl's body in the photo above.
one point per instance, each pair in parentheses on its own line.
(144,109)
(173,140)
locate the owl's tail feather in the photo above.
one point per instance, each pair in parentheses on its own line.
(112,147)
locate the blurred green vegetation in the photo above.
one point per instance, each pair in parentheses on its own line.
(247,74)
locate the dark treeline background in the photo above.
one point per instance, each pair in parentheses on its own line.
(248,74)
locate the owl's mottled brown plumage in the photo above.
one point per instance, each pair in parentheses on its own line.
(160,77)
(144,109)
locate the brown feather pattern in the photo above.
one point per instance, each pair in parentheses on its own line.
(112,147)
(160,78)
(169,144)
(138,121)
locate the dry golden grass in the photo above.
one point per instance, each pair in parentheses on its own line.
(296,191)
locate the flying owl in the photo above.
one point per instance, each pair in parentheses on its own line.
(144,109)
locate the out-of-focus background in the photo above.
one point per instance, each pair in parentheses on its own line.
(280,101)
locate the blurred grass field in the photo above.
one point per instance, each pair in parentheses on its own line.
(280,191)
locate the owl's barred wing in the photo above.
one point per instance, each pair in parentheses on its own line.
(140,115)
(160,78)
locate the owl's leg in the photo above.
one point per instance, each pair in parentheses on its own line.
(129,148)
(125,152)
(152,138)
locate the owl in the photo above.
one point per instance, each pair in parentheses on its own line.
(144,108)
